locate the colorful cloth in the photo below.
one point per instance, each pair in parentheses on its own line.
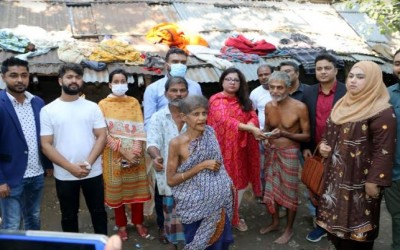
(240,150)
(362,152)
(113,50)
(11,42)
(125,129)
(172,35)
(281,177)
(240,42)
(235,55)
(220,240)
(203,196)
(172,223)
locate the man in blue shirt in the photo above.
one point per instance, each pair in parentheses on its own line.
(392,194)
(154,98)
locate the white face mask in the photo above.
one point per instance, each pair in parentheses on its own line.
(178,69)
(119,89)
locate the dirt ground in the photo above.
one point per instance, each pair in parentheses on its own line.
(254,214)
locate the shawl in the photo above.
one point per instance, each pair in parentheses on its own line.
(204,195)
(370,101)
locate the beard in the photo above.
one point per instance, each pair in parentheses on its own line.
(17,89)
(175,102)
(280,97)
(71,91)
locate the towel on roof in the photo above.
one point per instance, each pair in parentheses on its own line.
(209,55)
(10,42)
(240,42)
(172,35)
(113,50)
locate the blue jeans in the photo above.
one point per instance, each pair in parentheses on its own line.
(23,203)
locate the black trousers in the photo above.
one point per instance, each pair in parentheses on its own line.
(68,193)
(158,200)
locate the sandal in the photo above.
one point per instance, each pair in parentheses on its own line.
(242,227)
(142,231)
(123,234)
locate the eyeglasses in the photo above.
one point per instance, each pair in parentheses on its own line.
(235,80)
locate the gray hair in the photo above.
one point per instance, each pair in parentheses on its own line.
(280,76)
(193,102)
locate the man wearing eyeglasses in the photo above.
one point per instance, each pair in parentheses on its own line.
(297,88)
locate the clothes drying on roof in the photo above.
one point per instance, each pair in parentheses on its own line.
(172,35)
(306,56)
(75,52)
(113,50)
(209,55)
(235,55)
(296,40)
(240,42)
(11,42)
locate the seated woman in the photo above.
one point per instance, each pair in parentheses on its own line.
(200,184)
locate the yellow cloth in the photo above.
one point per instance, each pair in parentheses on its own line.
(370,101)
(125,126)
(113,50)
(171,35)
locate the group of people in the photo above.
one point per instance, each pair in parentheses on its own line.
(205,153)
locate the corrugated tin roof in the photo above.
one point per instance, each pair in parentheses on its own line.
(49,16)
(215,20)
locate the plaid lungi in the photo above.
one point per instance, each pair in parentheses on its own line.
(281,177)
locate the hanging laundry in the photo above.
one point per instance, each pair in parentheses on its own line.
(209,55)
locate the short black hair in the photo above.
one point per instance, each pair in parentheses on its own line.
(397,52)
(77,68)
(116,72)
(289,63)
(328,57)
(174,50)
(13,61)
(175,80)
(265,66)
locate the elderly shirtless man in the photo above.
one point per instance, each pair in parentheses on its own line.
(286,125)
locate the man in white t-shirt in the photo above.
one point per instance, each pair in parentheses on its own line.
(260,95)
(73,135)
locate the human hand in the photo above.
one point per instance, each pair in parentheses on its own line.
(49,172)
(307,153)
(113,243)
(372,190)
(276,133)
(79,170)
(258,134)
(212,165)
(158,163)
(324,149)
(4,190)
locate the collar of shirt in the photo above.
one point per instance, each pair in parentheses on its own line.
(332,91)
(398,88)
(28,98)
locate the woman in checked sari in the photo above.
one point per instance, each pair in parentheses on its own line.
(200,184)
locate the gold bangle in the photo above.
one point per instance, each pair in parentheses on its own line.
(183,177)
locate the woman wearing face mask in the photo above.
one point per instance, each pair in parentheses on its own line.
(124,169)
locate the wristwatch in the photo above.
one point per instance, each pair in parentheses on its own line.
(88,165)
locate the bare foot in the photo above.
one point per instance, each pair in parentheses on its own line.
(270,228)
(284,238)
